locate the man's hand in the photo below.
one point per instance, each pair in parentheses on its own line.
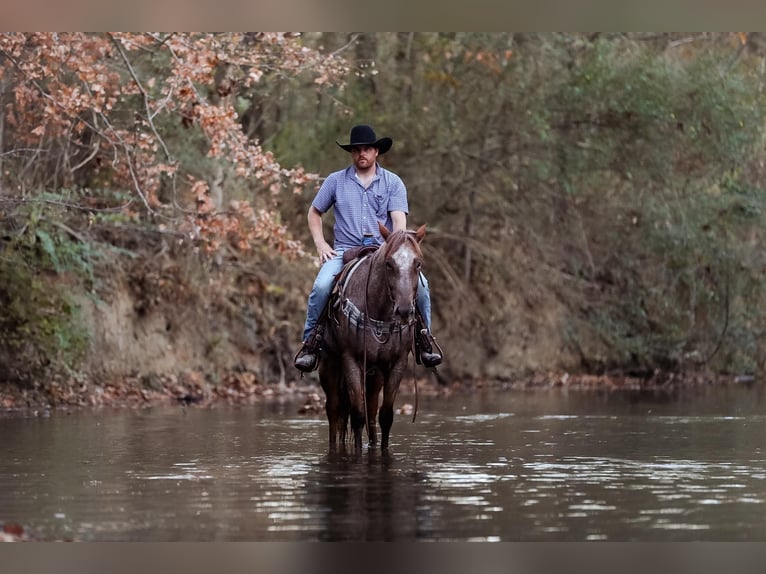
(325,251)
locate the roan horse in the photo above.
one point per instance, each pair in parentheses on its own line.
(369,335)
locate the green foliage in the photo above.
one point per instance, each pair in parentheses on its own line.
(40,328)
(623,161)
(646,145)
(618,175)
(51,245)
(43,263)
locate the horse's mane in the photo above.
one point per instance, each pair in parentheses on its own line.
(400,236)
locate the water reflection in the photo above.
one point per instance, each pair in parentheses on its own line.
(367,496)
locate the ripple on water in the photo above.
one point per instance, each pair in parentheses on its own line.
(184,471)
(550,470)
(482,418)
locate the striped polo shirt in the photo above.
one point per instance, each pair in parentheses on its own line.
(358,210)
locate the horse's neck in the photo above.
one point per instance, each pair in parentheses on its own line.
(374,300)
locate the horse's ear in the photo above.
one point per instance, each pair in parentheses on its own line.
(383,230)
(420,233)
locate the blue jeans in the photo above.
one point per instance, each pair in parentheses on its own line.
(320,294)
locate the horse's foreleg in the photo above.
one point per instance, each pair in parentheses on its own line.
(386,414)
(356,411)
(332,419)
(331,380)
(386,417)
(374,384)
(343,415)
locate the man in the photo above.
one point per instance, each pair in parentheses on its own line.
(362,194)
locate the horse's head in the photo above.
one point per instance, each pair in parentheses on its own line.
(403,260)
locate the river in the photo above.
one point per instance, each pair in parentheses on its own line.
(491,466)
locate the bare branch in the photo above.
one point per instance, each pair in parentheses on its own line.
(65,204)
(90,157)
(734,59)
(345,47)
(69,230)
(149,115)
(682,41)
(18,150)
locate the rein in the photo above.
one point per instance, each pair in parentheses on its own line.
(364,349)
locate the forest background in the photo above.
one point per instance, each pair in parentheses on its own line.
(593,202)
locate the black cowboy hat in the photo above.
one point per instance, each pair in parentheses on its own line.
(365,135)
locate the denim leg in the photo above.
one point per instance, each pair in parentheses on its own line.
(320,292)
(424,300)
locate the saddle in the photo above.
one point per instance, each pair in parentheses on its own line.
(357,253)
(351,257)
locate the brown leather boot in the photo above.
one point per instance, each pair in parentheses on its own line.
(429,354)
(307,357)
(306,360)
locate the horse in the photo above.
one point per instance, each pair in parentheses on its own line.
(369,334)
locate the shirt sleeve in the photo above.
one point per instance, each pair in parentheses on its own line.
(325,197)
(397,198)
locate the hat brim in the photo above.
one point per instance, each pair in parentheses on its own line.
(383,145)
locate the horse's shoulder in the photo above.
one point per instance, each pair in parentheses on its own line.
(349,266)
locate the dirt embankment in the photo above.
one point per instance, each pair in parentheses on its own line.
(169,330)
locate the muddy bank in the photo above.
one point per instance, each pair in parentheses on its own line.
(194,388)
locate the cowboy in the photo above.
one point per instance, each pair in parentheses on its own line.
(362,195)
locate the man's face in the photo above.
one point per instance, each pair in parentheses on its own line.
(364,156)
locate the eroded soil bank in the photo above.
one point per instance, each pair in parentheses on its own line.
(168,329)
(241,388)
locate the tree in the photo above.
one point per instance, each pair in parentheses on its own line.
(107,139)
(101,117)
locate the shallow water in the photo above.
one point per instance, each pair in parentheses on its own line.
(509,466)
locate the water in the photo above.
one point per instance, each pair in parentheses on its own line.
(507,466)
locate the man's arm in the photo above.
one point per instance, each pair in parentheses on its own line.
(324,249)
(399,219)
